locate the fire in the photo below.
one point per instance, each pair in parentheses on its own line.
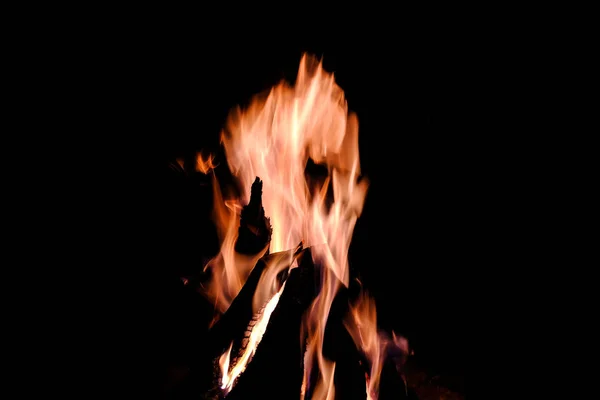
(273,139)
(375,345)
(204,164)
(363,328)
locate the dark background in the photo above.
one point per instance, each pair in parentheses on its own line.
(411,244)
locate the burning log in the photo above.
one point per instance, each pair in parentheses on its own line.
(231,327)
(276,370)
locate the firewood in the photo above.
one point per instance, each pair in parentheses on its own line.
(276,369)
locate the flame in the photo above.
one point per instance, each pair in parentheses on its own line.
(374,344)
(363,328)
(204,165)
(273,139)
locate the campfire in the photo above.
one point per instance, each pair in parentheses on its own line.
(290,321)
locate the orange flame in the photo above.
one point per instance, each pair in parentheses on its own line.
(375,345)
(204,165)
(273,139)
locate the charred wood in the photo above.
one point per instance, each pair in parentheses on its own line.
(255,229)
